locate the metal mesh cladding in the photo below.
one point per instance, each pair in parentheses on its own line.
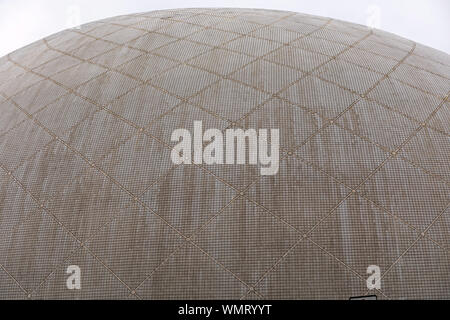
(86,178)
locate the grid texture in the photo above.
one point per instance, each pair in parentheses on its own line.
(86,177)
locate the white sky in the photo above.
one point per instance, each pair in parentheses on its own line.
(424,21)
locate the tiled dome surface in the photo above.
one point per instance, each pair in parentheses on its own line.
(86,177)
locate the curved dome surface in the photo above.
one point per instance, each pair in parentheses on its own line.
(87,180)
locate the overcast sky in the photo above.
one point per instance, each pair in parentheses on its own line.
(424,21)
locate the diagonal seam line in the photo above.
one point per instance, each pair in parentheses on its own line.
(84,246)
(115,69)
(306,74)
(115,182)
(351,105)
(2,267)
(422,235)
(212,220)
(367,178)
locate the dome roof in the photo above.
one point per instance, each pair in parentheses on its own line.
(87,179)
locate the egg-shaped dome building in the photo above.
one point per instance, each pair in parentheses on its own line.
(93,205)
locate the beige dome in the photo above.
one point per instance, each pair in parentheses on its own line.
(86,177)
